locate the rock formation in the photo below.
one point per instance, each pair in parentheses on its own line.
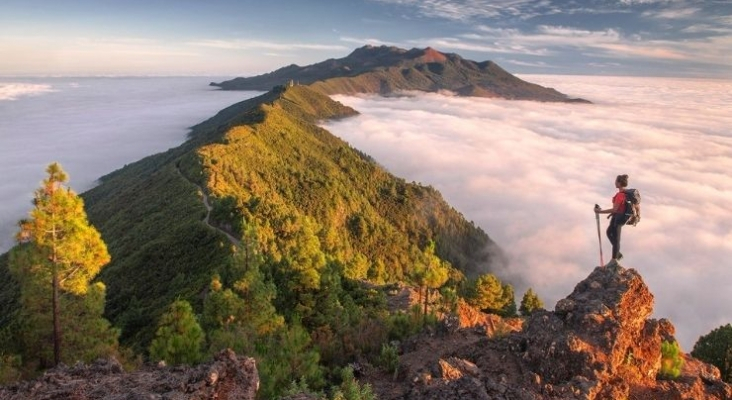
(599,343)
(226,377)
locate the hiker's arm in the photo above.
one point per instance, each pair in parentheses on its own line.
(607,211)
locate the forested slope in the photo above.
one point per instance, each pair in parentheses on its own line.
(304,197)
(317,228)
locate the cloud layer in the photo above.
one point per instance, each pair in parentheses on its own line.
(13,90)
(91,126)
(530,173)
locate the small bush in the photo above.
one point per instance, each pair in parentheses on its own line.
(671,360)
(10,368)
(350,389)
(389,358)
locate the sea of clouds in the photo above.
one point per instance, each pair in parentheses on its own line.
(92,126)
(530,173)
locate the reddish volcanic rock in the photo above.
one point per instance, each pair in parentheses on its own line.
(599,343)
(431,55)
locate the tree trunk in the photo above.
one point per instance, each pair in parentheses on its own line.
(56,322)
(426,300)
(55,305)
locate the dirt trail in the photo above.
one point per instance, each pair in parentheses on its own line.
(208,206)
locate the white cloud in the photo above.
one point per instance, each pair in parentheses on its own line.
(672,13)
(369,41)
(462,10)
(14,90)
(550,41)
(483,46)
(92,127)
(606,43)
(635,2)
(238,44)
(539,64)
(529,174)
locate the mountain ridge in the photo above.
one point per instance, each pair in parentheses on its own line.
(388,70)
(265,161)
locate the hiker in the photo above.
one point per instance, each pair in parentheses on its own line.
(617,218)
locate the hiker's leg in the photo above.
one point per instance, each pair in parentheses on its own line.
(611,233)
(616,244)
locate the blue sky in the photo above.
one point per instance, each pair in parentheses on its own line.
(234,38)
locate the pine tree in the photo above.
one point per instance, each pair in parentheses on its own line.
(716,348)
(58,252)
(509,302)
(92,335)
(178,338)
(432,274)
(530,303)
(487,293)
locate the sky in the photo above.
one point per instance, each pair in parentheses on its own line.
(530,173)
(687,38)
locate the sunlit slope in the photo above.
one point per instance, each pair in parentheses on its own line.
(271,171)
(285,168)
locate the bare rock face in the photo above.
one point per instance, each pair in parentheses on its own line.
(226,377)
(599,335)
(599,343)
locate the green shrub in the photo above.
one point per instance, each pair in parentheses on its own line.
(350,389)
(179,338)
(671,360)
(389,358)
(716,348)
(10,368)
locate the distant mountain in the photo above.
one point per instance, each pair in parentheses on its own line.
(387,70)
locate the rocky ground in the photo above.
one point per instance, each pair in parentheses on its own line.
(226,377)
(598,343)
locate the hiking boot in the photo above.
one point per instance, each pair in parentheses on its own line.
(612,263)
(620,256)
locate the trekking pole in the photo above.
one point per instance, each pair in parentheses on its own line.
(599,237)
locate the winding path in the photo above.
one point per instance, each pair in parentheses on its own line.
(206,220)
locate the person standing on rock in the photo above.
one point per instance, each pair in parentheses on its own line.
(617,218)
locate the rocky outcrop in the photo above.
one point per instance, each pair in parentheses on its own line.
(599,339)
(493,325)
(226,377)
(598,343)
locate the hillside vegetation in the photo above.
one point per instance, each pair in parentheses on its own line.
(304,237)
(269,169)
